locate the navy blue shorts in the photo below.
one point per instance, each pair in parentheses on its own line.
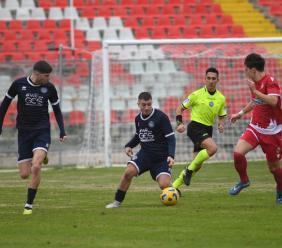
(30,140)
(143,163)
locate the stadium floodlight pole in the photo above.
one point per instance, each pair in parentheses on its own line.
(106,99)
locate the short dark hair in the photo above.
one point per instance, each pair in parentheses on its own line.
(212,69)
(254,60)
(42,67)
(145,96)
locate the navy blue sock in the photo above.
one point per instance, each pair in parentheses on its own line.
(120,195)
(31,193)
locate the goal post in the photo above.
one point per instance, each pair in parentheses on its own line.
(170,70)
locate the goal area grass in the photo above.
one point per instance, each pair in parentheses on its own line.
(69,211)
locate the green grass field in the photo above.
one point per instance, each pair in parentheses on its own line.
(69,211)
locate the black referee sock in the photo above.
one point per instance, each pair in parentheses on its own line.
(31,193)
(120,195)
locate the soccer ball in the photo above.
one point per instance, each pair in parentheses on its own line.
(169,196)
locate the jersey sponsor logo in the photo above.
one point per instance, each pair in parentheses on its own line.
(44,90)
(33,99)
(211,103)
(146,135)
(151,124)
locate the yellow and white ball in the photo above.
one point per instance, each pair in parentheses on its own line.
(169,196)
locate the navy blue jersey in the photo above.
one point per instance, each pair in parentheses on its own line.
(32,105)
(153,133)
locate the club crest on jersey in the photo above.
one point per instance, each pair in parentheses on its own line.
(151,124)
(43,90)
(186,101)
(211,104)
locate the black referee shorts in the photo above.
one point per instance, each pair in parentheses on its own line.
(198,132)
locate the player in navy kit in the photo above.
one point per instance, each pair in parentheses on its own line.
(33,123)
(157,140)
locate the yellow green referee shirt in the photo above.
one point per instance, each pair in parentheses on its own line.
(205,107)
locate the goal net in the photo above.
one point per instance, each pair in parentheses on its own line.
(170,70)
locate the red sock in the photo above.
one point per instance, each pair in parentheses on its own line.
(277,173)
(240,163)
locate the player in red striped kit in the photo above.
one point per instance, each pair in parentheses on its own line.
(265,128)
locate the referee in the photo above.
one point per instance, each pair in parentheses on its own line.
(206,103)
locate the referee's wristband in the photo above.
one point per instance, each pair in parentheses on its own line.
(179,119)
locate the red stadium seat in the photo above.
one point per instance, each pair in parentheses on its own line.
(158,33)
(238,31)
(129,115)
(40,45)
(163,21)
(24,45)
(225,19)
(10,35)
(49,24)
(127,2)
(77,118)
(115,117)
(189,32)
(137,10)
(153,10)
(171,9)
(144,2)
(51,55)
(3,25)
(15,24)
(87,12)
(141,33)
(179,20)
(93,45)
(13,56)
(104,11)
(174,32)
(130,21)
(33,24)
(9,46)
(196,20)
(223,31)
(148,21)
(62,3)
(64,24)
(8,122)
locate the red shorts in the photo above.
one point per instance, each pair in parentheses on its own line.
(270,144)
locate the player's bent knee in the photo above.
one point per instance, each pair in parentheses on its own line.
(212,151)
(24,175)
(164,181)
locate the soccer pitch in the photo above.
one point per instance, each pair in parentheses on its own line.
(69,211)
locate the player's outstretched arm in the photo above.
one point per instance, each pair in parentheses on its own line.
(3,110)
(179,122)
(60,121)
(245,110)
(221,121)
